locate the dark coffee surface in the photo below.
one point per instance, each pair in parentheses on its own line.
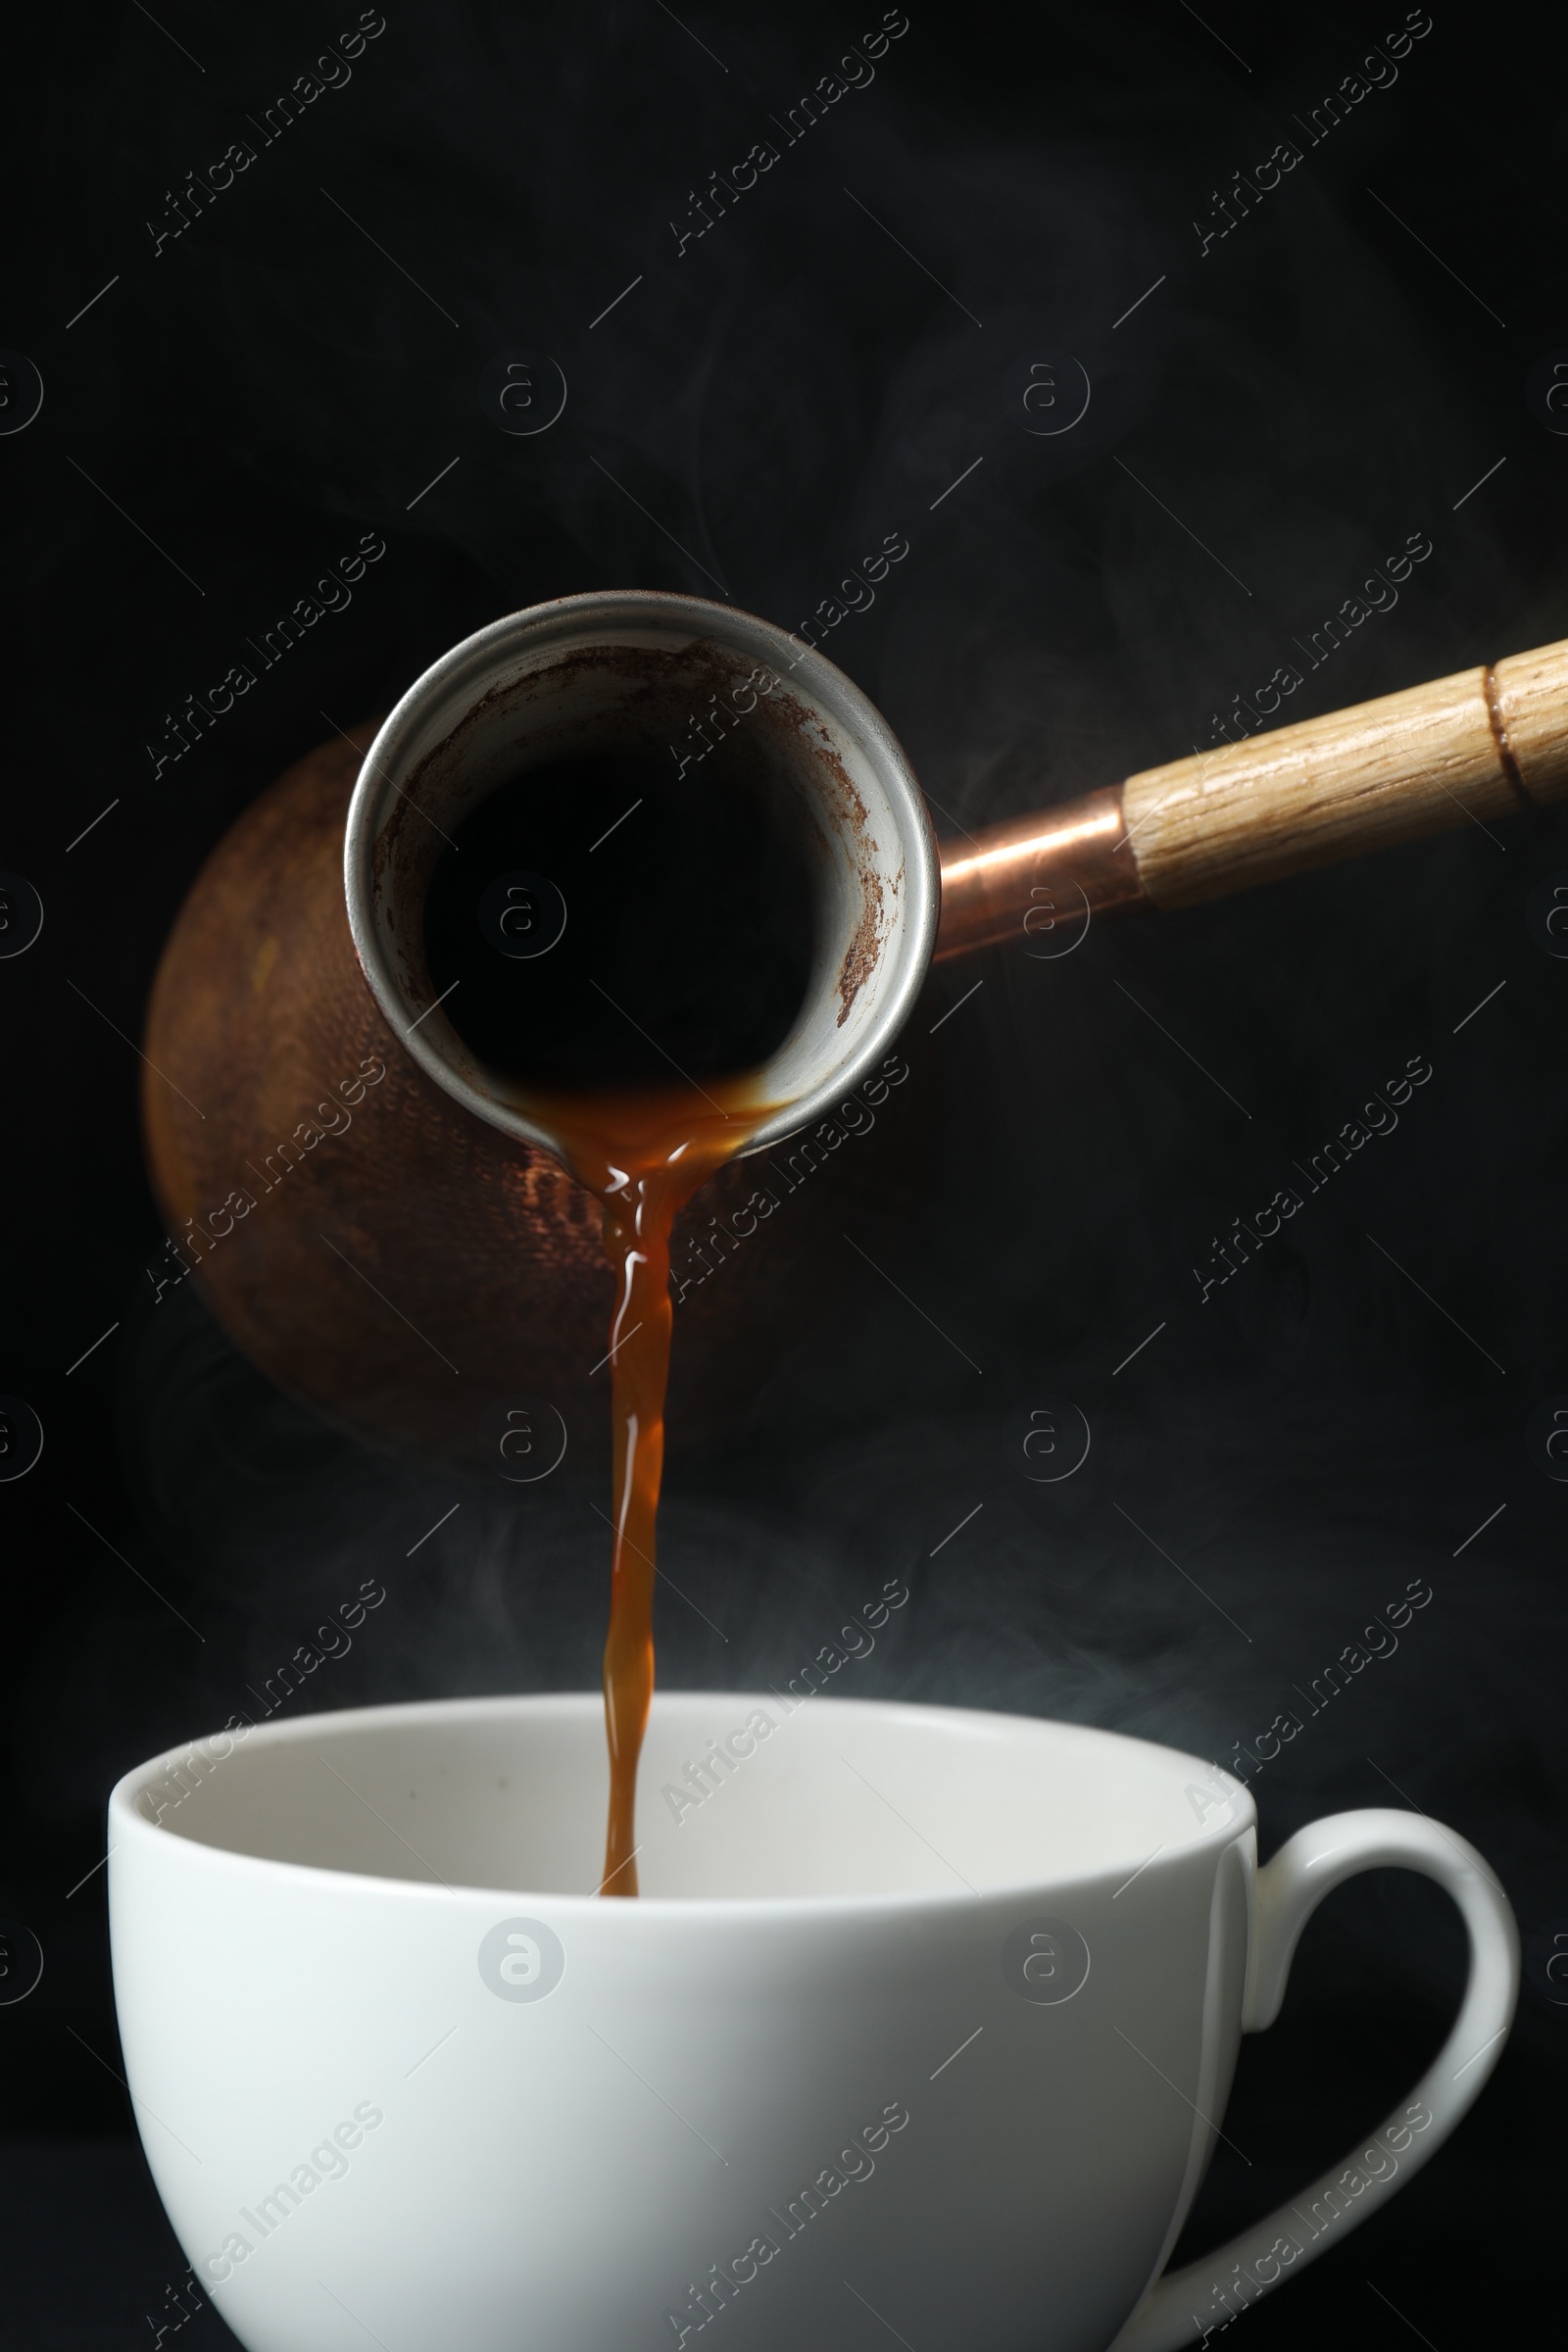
(687,913)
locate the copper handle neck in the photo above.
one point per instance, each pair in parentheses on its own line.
(1049,865)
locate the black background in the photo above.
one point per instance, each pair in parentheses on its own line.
(1331,377)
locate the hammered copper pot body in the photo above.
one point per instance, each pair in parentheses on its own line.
(411,1268)
(375,1248)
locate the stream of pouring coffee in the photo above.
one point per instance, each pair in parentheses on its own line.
(644,1156)
(697,906)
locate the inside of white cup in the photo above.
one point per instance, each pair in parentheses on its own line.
(738,1797)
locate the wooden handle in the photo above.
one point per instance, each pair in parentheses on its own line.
(1486,743)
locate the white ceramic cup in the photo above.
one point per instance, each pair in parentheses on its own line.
(924,2014)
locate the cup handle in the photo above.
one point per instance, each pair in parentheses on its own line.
(1189,2304)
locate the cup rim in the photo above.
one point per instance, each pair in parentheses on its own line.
(127,1822)
(474,658)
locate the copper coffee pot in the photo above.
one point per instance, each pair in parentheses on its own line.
(379,1223)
